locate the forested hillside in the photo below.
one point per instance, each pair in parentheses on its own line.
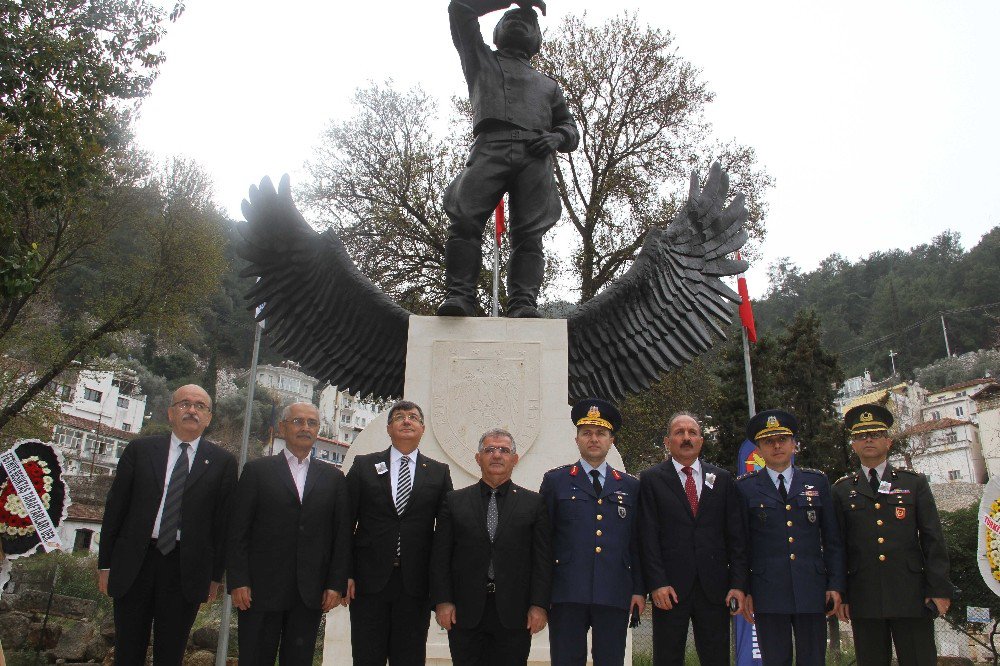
(894,300)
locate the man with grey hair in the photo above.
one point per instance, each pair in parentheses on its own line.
(395,498)
(693,546)
(289,545)
(491,574)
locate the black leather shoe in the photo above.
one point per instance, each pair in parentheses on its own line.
(456,307)
(522,312)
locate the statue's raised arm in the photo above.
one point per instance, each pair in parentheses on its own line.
(520,119)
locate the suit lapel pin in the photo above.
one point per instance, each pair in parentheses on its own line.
(423,464)
(380,468)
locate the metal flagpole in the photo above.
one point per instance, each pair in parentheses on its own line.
(498,228)
(748,372)
(222,649)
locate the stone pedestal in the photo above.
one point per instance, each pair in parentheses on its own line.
(470,375)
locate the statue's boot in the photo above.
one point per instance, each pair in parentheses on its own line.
(524,278)
(463,260)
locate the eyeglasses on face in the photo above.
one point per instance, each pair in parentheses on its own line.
(299,422)
(502,450)
(862,436)
(184,405)
(399,417)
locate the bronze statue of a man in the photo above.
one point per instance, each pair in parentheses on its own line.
(520,120)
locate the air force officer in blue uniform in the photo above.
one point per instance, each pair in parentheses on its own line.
(796,550)
(595,545)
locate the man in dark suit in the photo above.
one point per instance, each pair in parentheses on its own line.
(161,552)
(395,497)
(796,551)
(491,574)
(289,545)
(594,512)
(693,548)
(897,560)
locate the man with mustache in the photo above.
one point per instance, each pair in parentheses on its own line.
(395,498)
(693,548)
(520,120)
(289,545)
(491,576)
(897,560)
(161,552)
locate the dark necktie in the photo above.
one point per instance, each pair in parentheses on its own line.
(170,521)
(781,488)
(873,480)
(492,518)
(690,490)
(403,487)
(597,481)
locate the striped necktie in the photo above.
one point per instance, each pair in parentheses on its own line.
(170,521)
(403,486)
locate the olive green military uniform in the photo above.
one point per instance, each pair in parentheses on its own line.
(896,558)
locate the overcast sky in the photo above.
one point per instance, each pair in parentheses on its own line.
(877,120)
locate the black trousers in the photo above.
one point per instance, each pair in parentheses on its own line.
(710,618)
(489,643)
(292,632)
(774,636)
(912,636)
(568,625)
(154,602)
(389,625)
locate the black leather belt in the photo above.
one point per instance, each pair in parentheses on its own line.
(507,135)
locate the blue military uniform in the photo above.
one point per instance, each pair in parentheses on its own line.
(595,550)
(796,555)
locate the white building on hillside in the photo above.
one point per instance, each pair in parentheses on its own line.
(987,401)
(944,450)
(287,381)
(327,449)
(955,401)
(344,416)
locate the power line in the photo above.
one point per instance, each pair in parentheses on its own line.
(923,321)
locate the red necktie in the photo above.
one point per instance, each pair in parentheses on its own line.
(690,490)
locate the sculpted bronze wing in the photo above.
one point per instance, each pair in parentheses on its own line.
(320,310)
(669,305)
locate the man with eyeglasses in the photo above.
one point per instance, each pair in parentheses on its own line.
(162,538)
(897,560)
(596,580)
(289,545)
(395,498)
(491,577)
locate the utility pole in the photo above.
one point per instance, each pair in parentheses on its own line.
(947,348)
(892,359)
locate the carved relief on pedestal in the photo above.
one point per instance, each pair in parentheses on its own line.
(477,385)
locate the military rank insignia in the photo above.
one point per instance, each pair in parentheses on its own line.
(621,511)
(900,512)
(811,515)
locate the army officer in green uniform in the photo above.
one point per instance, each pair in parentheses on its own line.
(897,563)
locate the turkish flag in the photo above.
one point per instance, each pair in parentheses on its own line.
(500,221)
(746,308)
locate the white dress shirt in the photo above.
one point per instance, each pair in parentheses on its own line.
(787,473)
(695,473)
(394,458)
(879,470)
(173,453)
(299,470)
(602,471)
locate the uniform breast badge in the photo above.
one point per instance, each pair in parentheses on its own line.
(900,512)
(811,515)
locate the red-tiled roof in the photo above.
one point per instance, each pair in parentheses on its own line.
(986,392)
(101,428)
(962,385)
(333,441)
(85,512)
(932,425)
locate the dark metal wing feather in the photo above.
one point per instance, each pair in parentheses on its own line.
(320,311)
(669,306)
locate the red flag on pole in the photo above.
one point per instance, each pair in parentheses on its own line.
(501,225)
(746,309)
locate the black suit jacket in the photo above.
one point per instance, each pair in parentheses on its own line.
(284,549)
(521,552)
(134,500)
(679,548)
(378,528)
